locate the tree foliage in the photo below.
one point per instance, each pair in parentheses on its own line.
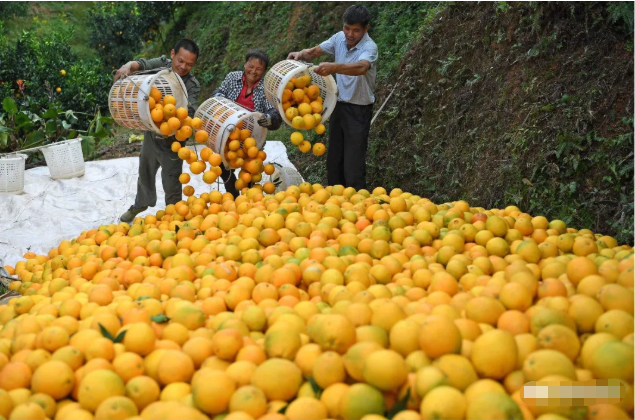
(118,30)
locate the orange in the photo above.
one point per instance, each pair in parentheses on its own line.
(328,369)
(457,369)
(181,113)
(15,375)
(560,338)
(494,354)
(361,400)
(438,336)
(541,363)
(139,338)
(580,267)
(493,405)
(175,366)
(97,386)
(306,408)
(128,366)
(279,379)
(443,402)
(54,378)
(250,400)
(117,407)
(332,332)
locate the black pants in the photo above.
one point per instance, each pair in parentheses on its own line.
(229,178)
(348,140)
(156,152)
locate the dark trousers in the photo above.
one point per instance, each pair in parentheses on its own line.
(348,140)
(156,152)
(229,178)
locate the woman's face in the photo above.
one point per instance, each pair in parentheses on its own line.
(254,69)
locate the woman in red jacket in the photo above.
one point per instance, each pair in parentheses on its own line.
(246,88)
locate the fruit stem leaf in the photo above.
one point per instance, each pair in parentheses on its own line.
(120,337)
(399,406)
(159,319)
(105,332)
(314,386)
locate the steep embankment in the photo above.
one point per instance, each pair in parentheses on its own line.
(525,105)
(495,103)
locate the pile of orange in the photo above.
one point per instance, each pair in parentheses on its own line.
(173,121)
(302,104)
(315,303)
(240,151)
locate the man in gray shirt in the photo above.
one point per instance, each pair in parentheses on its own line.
(156,151)
(355,68)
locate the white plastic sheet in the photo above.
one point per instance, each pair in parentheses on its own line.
(50,211)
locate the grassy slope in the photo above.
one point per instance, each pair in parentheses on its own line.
(497,103)
(528,106)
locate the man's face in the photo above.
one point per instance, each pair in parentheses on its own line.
(183,61)
(354,33)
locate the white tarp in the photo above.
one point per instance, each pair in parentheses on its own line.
(49,211)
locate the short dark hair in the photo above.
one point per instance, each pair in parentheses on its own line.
(187,45)
(357,14)
(259,55)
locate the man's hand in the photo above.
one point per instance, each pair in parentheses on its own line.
(294,55)
(265,121)
(126,69)
(123,71)
(325,69)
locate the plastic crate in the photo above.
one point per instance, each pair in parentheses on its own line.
(12,173)
(65,159)
(220,117)
(129,96)
(281,73)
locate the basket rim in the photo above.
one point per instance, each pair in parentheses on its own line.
(14,156)
(66,142)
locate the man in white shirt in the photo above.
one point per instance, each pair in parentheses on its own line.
(355,68)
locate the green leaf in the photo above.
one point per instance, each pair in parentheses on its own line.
(50,113)
(314,386)
(3,139)
(399,406)
(88,145)
(22,121)
(34,138)
(176,229)
(106,333)
(9,106)
(51,127)
(159,319)
(140,298)
(66,125)
(283,410)
(120,337)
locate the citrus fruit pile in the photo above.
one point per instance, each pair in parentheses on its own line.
(302,105)
(317,303)
(241,151)
(173,121)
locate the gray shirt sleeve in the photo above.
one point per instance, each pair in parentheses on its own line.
(369,53)
(154,63)
(193,92)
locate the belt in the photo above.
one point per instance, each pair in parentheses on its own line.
(350,103)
